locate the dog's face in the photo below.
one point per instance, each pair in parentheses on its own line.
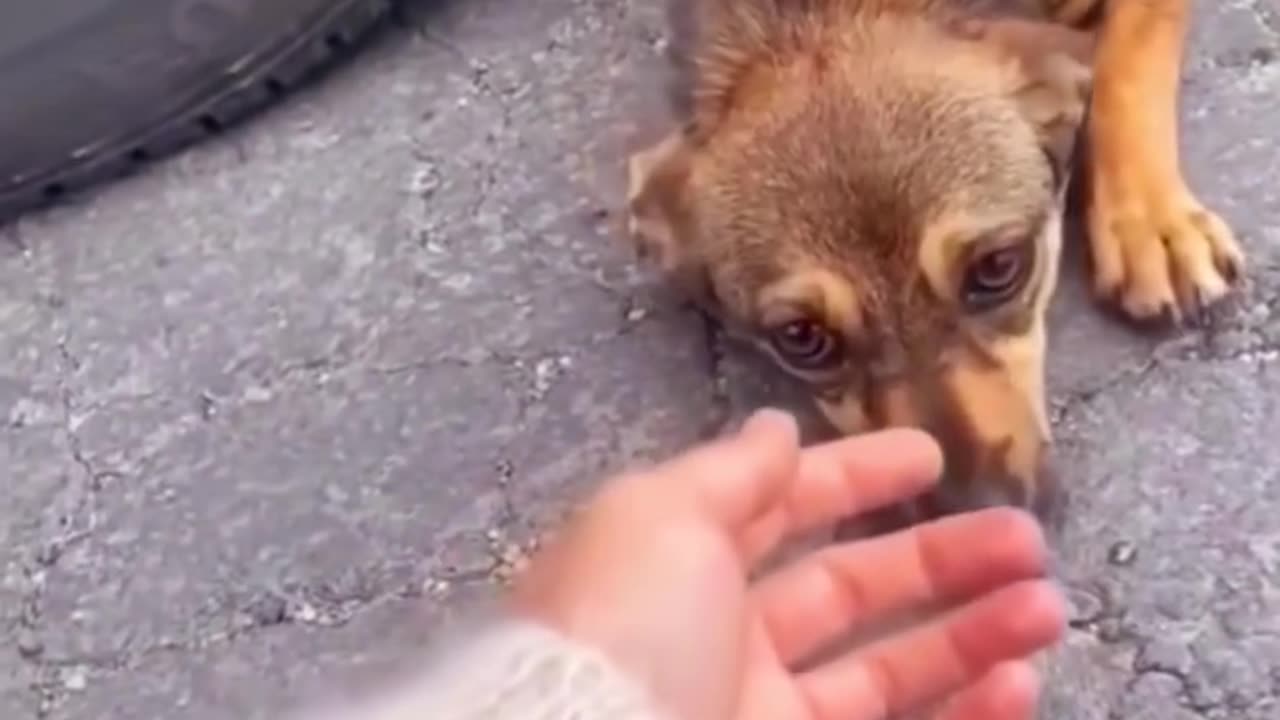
(878,207)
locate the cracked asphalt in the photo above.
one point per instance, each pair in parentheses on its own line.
(275,411)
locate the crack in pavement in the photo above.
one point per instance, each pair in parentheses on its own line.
(1268,15)
(75,524)
(538,370)
(478,78)
(335,611)
(56,677)
(531,364)
(35,570)
(1064,405)
(1245,336)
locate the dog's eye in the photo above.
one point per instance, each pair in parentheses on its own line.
(995,277)
(805,344)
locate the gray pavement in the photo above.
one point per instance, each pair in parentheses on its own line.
(275,411)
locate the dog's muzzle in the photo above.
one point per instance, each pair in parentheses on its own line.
(1044,496)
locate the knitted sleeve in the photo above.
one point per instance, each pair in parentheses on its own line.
(511,671)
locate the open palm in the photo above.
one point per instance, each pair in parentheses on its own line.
(657,573)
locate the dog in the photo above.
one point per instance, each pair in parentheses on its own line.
(872,192)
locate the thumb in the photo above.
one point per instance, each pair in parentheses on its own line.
(739,478)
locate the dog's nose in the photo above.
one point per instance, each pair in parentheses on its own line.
(1043,496)
(953,498)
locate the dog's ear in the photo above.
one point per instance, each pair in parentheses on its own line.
(658,217)
(1054,78)
(1054,99)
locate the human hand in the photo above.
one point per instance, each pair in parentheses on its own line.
(655,573)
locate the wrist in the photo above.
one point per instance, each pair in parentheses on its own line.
(512,669)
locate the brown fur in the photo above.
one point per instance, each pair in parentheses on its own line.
(852,163)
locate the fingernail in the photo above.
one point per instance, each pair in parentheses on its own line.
(770,420)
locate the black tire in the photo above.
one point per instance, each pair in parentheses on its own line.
(90,89)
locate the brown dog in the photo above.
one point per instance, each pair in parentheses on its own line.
(872,191)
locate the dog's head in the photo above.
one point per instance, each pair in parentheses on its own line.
(875,200)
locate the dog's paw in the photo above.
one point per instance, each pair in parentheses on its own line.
(1158,252)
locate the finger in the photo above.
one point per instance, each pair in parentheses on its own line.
(922,665)
(849,477)
(1010,691)
(739,478)
(839,588)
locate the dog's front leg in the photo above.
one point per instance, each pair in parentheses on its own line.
(1157,251)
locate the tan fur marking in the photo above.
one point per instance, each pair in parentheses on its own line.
(1051,242)
(847,415)
(944,242)
(816,291)
(1005,407)
(994,418)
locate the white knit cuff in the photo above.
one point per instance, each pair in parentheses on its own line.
(511,671)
